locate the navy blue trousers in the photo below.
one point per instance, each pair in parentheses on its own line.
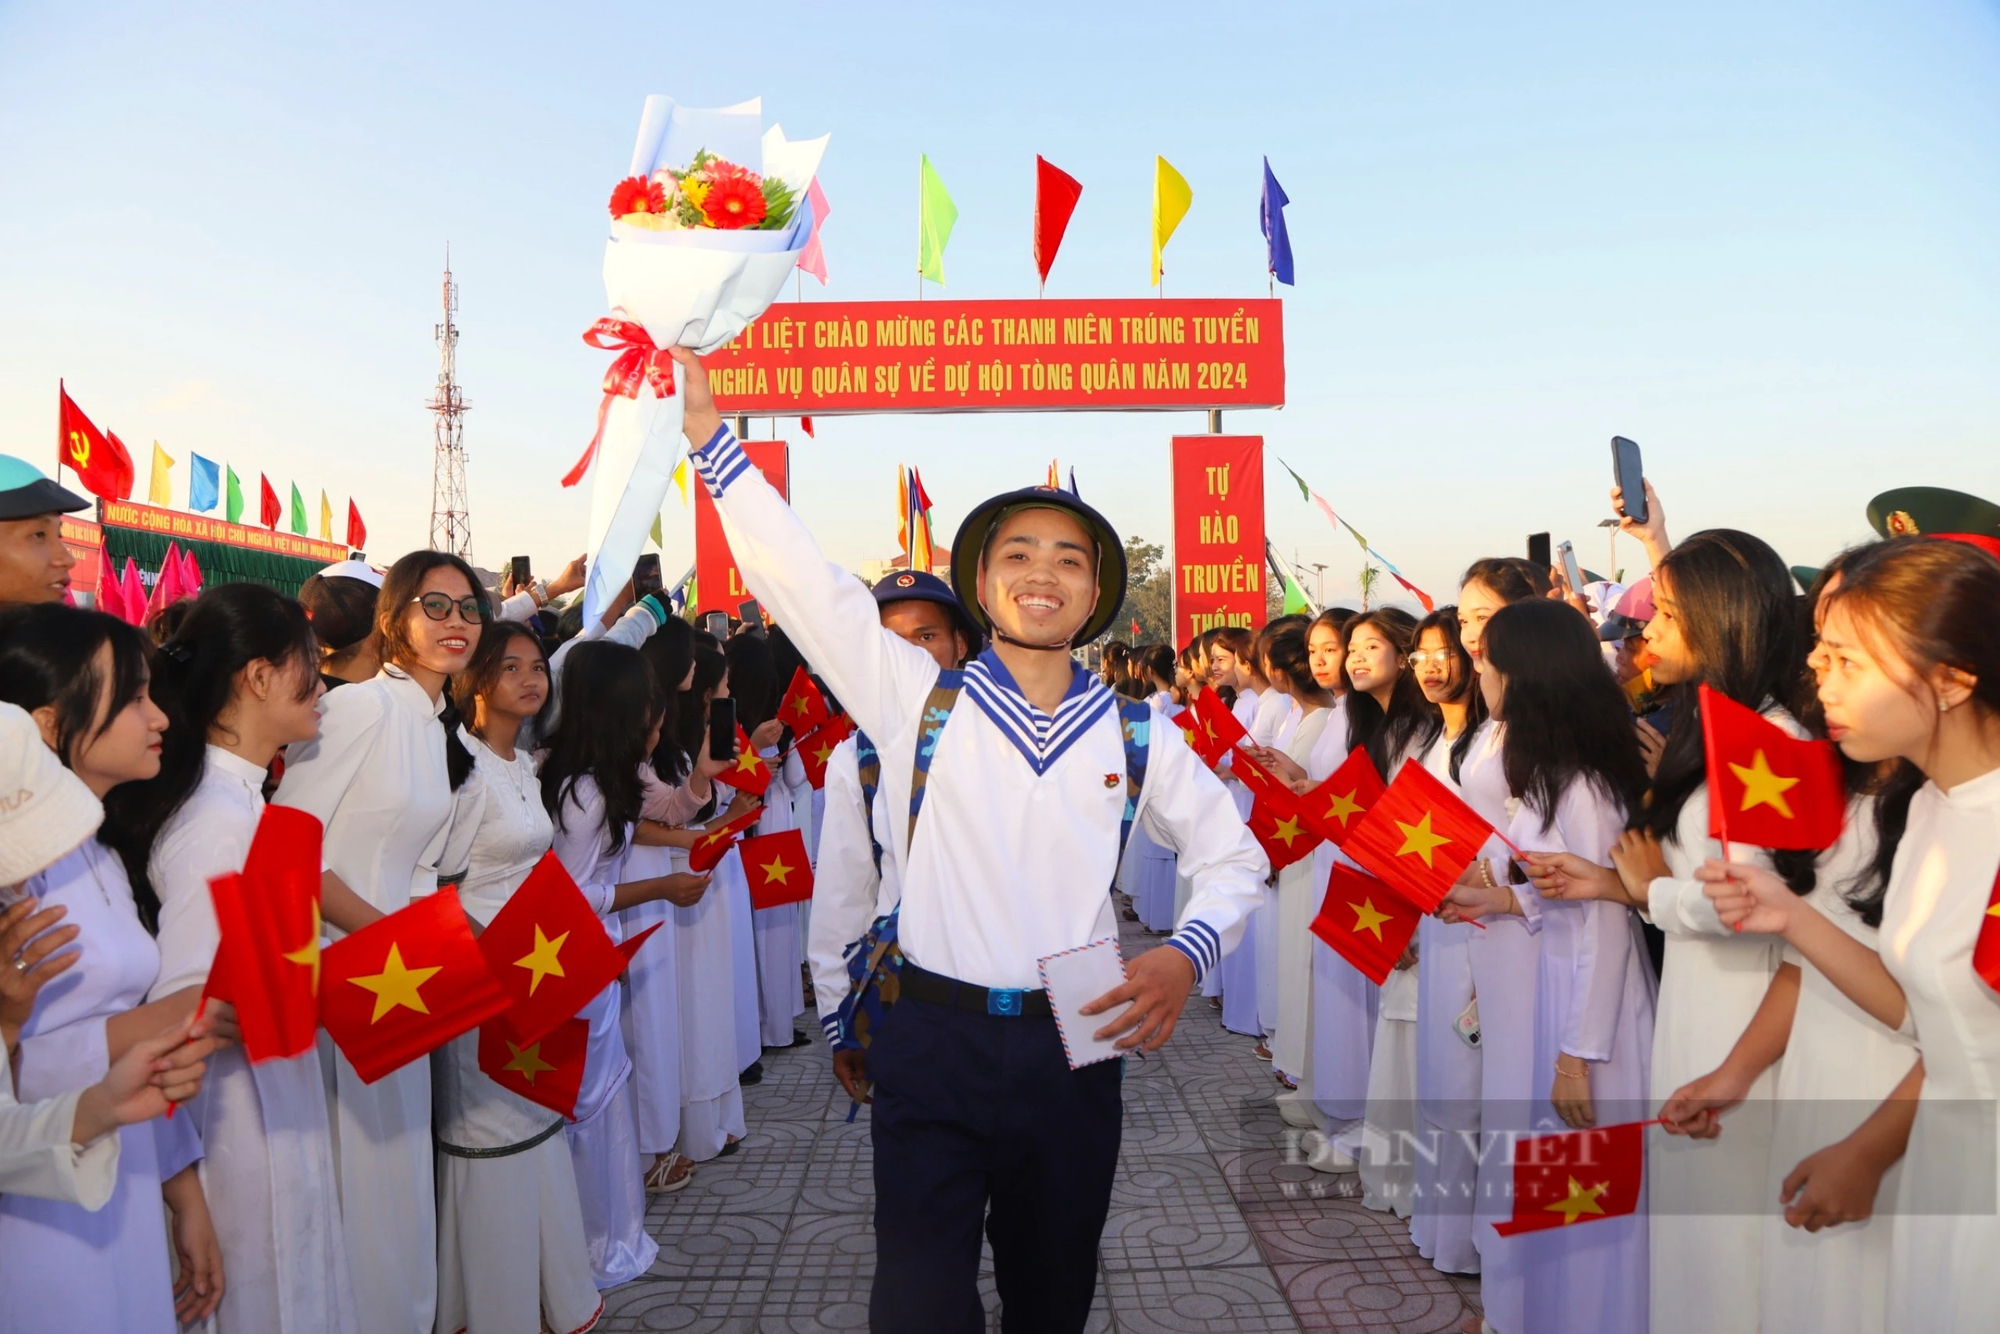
(978,1119)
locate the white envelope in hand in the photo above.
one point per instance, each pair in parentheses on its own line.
(1074,979)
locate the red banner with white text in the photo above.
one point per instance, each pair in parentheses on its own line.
(718,585)
(1218,557)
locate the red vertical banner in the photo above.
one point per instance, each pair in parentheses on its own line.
(718,585)
(1218,533)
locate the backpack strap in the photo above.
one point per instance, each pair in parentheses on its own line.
(1135,724)
(937,711)
(870,763)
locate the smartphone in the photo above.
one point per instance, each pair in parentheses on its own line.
(522,575)
(751,615)
(722,729)
(646,575)
(1570,569)
(1630,475)
(1538,551)
(717,624)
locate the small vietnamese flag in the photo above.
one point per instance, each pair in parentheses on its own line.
(1282,832)
(1577,1176)
(1218,726)
(1418,837)
(630,947)
(547,1072)
(549,951)
(1347,792)
(816,748)
(268,962)
(714,844)
(1197,740)
(777,868)
(1986,950)
(1765,787)
(402,987)
(1365,922)
(803,707)
(749,773)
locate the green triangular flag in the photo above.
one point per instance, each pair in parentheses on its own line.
(936,216)
(235,501)
(1295,598)
(298,511)
(658,541)
(1305,492)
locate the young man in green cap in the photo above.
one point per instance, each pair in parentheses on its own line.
(1025,787)
(34,563)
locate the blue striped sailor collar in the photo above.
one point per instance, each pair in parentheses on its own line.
(1040,737)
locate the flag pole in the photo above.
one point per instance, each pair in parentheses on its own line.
(1717,805)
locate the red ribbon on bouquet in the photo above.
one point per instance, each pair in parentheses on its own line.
(639,362)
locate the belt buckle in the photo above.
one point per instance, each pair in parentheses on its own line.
(1004,1001)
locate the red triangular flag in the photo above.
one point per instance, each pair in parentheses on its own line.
(630,946)
(1347,793)
(357,531)
(1577,1176)
(402,987)
(1765,787)
(548,950)
(749,773)
(1056,193)
(1418,837)
(547,1071)
(806,423)
(191,576)
(777,868)
(101,462)
(1365,922)
(268,962)
(133,589)
(714,844)
(816,748)
(110,597)
(268,509)
(803,707)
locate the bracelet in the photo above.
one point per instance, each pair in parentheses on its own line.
(1573,1074)
(1486,874)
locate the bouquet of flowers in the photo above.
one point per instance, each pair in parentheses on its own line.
(705,228)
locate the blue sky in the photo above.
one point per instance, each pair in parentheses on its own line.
(1756,237)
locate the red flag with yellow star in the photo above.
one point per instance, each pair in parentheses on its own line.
(268,962)
(803,707)
(1365,922)
(402,987)
(1282,832)
(714,844)
(749,773)
(816,748)
(1197,739)
(1765,787)
(1217,727)
(549,951)
(1333,807)
(1576,1177)
(547,1071)
(777,868)
(1417,837)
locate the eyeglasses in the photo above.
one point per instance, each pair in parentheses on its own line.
(1440,656)
(437,606)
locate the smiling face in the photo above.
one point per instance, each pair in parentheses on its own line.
(930,627)
(1222,667)
(442,646)
(1476,605)
(1324,650)
(1373,663)
(34,564)
(1038,576)
(124,749)
(1437,668)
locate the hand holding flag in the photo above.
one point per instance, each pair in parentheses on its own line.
(268,962)
(1577,1177)
(715,843)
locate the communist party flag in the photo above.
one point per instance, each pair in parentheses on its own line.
(268,962)
(549,951)
(749,773)
(1348,792)
(715,843)
(803,707)
(547,1071)
(402,987)
(1765,787)
(777,868)
(99,461)
(1365,922)
(1418,837)
(817,748)
(1577,1176)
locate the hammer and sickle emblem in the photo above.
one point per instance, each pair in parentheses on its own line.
(79,448)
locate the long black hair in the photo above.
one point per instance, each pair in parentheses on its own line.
(1445,621)
(608,710)
(753,680)
(1410,720)
(1740,620)
(1284,648)
(691,722)
(194,680)
(670,652)
(48,659)
(1567,720)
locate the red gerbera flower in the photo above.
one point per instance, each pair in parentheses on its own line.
(636,194)
(734,200)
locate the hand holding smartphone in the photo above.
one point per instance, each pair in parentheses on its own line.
(1630,474)
(1570,570)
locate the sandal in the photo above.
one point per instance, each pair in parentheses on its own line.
(730,1146)
(670,1172)
(1261,1051)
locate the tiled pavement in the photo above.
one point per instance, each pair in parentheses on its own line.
(1215,1225)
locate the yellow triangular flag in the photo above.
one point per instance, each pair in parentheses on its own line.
(681,481)
(1171,197)
(160,490)
(325,518)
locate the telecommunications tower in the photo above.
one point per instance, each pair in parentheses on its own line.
(451,523)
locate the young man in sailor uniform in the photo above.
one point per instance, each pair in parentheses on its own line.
(1022,790)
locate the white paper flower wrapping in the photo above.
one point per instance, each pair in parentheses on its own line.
(698,287)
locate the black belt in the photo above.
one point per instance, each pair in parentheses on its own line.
(1007,1002)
